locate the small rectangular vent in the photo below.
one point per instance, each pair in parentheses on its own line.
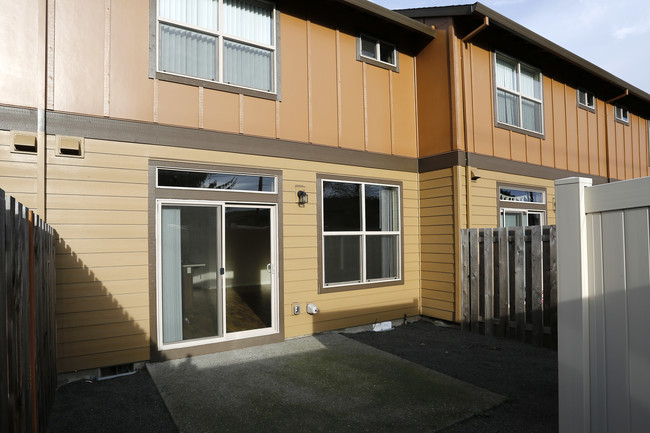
(69,146)
(24,142)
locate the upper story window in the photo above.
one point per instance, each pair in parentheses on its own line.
(377,52)
(223,41)
(518,98)
(586,100)
(621,115)
(361,233)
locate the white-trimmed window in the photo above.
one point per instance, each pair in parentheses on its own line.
(519,101)
(621,114)
(586,99)
(376,52)
(223,41)
(521,206)
(361,233)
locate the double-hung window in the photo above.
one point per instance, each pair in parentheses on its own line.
(223,41)
(361,233)
(518,98)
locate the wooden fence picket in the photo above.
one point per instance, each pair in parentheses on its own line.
(27,282)
(509,283)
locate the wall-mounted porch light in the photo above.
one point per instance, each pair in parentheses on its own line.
(303,198)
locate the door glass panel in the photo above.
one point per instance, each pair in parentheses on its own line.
(512,219)
(190,258)
(534,219)
(248,268)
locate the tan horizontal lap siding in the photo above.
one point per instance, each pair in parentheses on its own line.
(483,199)
(18,173)
(437,249)
(301,256)
(98,206)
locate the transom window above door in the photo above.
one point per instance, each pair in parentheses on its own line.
(223,41)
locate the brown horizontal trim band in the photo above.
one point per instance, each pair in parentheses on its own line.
(18,119)
(148,133)
(492,163)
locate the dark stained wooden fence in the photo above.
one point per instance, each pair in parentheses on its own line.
(27,326)
(509,283)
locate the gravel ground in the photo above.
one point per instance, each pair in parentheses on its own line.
(527,375)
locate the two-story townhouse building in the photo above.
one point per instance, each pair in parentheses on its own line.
(211,167)
(502,113)
(208,165)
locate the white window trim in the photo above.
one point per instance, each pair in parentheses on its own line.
(275,319)
(519,95)
(229,191)
(377,59)
(623,119)
(362,234)
(524,212)
(587,95)
(219,47)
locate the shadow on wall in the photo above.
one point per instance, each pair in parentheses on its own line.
(342,318)
(100,323)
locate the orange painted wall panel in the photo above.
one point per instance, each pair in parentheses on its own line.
(404,121)
(294,110)
(19,50)
(433,89)
(79,59)
(619,136)
(533,150)
(547,145)
(323,86)
(559,126)
(220,111)
(259,117)
(501,138)
(629,150)
(481,74)
(178,104)
(603,151)
(583,139)
(378,109)
(573,162)
(131,90)
(352,109)
(518,147)
(594,140)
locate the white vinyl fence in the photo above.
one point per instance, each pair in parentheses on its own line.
(603,237)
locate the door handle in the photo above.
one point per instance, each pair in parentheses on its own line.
(268,268)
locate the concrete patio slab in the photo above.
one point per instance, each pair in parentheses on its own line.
(323,383)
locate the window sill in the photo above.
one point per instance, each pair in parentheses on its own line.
(197,82)
(520,130)
(622,122)
(359,286)
(373,62)
(587,108)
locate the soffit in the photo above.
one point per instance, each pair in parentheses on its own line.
(361,16)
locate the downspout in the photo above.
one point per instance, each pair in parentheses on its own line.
(607,143)
(465,41)
(41,125)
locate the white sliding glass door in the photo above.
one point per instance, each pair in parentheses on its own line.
(216,272)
